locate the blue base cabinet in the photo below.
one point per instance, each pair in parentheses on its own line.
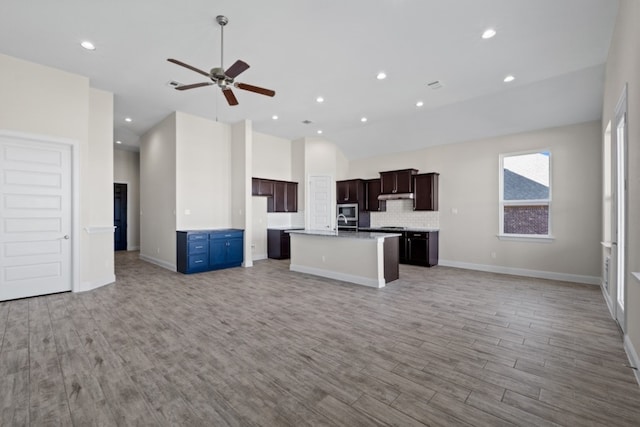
(206,250)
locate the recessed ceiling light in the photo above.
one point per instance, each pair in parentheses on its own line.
(320,99)
(319,132)
(381,75)
(128,119)
(118,142)
(274,117)
(419,104)
(488,33)
(363,120)
(88,45)
(509,78)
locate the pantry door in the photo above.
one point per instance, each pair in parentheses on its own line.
(321,209)
(35,217)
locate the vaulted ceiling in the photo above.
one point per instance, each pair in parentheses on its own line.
(303,49)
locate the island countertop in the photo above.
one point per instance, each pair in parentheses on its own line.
(345,234)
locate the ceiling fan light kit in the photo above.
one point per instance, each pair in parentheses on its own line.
(218,76)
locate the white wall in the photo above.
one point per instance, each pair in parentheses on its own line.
(158,194)
(623,66)
(469,183)
(126,170)
(203,173)
(46,101)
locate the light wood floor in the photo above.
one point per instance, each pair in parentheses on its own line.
(264,346)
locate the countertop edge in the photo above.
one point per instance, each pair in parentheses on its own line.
(362,235)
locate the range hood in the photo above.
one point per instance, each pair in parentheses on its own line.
(395,196)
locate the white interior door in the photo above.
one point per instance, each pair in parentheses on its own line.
(35,217)
(321,206)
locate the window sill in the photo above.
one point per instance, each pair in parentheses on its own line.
(526,238)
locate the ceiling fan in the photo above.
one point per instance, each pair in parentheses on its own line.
(218,75)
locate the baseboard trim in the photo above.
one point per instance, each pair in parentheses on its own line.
(158,262)
(564,277)
(632,355)
(258,257)
(337,276)
(607,299)
(94,284)
(133,248)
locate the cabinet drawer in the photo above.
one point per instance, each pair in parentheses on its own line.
(198,236)
(198,247)
(417,235)
(232,234)
(198,261)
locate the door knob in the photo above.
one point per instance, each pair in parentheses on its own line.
(66,237)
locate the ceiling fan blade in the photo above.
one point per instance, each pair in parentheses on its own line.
(231,98)
(193,86)
(256,89)
(192,68)
(237,68)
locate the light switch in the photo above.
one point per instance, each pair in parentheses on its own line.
(187,211)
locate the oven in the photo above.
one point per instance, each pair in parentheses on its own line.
(347,216)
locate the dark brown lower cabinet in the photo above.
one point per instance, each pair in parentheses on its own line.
(419,248)
(278,244)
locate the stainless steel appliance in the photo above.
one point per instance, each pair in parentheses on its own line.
(347,216)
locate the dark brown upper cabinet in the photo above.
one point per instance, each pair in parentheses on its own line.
(425,187)
(282,196)
(351,191)
(373,189)
(261,187)
(399,181)
(285,197)
(291,197)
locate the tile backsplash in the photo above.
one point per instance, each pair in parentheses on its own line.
(400,213)
(282,219)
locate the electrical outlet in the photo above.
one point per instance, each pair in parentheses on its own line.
(493,255)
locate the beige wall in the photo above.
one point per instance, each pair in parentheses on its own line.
(241,203)
(469,184)
(271,157)
(623,66)
(46,101)
(126,170)
(203,173)
(158,194)
(98,260)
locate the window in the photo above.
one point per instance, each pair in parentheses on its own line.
(525,194)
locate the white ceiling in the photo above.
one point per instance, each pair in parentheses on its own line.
(302,49)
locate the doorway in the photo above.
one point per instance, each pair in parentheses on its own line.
(120,216)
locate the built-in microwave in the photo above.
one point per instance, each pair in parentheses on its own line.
(347,216)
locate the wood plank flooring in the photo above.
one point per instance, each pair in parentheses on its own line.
(266,347)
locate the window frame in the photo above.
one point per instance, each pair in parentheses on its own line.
(532,202)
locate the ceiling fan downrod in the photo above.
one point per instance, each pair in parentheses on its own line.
(222,21)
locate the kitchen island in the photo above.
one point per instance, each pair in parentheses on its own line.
(364,258)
